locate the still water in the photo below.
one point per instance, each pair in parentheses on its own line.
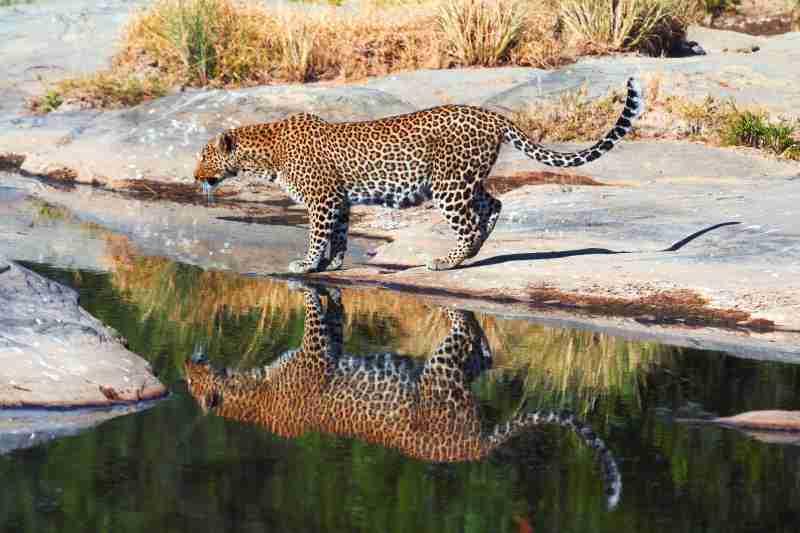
(228,454)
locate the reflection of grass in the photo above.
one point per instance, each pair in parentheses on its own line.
(558,362)
(578,369)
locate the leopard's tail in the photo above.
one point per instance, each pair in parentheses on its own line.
(634,107)
(612,481)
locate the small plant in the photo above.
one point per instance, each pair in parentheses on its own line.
(702,119)
(51,101)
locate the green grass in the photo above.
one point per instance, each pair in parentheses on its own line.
(51,101)
(747,128)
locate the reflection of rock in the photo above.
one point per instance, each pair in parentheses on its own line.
(763,420)
(776,427)
(426,411)
(53,353)
(23,428)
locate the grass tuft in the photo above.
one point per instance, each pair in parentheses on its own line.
(650,26)
(481,32)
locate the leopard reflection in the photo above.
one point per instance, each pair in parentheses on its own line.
(426,411)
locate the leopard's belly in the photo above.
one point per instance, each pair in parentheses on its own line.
(397,184)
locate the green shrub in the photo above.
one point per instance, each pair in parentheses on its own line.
(51,101)
(747,128)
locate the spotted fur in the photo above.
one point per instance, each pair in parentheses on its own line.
(425,410)
(442,153)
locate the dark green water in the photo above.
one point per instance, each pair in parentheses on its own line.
(174,468)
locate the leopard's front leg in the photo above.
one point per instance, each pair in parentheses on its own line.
(322,217)
(339,238)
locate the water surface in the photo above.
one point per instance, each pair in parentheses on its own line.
(177,467)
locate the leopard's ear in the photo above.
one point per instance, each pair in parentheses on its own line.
(226,143)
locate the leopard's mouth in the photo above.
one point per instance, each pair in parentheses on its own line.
(209,186)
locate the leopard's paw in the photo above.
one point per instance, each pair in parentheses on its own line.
(336,262)
(439,263)
(301,267)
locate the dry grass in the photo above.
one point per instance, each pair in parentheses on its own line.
(481,32)
(652,26)
(571,117)
(229,43)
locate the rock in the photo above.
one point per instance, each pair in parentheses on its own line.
(763,420)
(773,427)
(54,354)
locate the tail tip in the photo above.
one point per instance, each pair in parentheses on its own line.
(636,95)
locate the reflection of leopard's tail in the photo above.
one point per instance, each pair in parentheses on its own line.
(611,478)
(634,106)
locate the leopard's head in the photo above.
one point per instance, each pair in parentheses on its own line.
(201,381)
(217,161)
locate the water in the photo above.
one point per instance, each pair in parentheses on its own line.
(178,468)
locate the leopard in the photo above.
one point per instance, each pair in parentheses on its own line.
(443,154)
(425,410)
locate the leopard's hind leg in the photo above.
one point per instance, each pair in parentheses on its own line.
(488,208)
(467,207)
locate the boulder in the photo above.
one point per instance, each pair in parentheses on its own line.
(55,354)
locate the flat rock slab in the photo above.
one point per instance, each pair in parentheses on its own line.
(50,39)
(54,354)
